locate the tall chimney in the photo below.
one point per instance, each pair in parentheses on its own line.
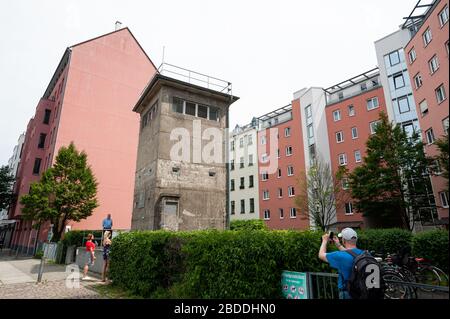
(118,25)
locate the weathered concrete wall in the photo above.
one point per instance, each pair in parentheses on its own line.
(199,188)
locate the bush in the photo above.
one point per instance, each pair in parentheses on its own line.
(384,241)
(432,245)
(211,264)
(255,224)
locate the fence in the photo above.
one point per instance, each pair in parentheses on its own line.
(395,289)
(322,285)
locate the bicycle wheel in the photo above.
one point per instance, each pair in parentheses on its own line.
(395,290)
(431,275)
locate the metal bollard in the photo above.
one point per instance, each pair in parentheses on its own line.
(41,265)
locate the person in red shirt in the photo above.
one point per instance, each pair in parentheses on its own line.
(90,256)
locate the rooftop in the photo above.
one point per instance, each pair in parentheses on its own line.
(418,14)
(275,113)
(353,81)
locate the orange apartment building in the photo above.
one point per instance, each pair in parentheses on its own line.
(428,65)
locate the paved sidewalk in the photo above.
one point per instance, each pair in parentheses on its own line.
(18,277)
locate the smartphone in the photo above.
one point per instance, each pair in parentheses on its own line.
(331,236)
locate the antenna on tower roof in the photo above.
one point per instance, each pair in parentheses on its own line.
(118,25)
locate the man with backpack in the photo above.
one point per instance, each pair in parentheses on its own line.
(359,272)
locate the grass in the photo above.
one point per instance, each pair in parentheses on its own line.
(113,292)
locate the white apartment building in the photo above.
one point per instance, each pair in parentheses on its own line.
(244,199)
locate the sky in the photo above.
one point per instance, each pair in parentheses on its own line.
(267,49)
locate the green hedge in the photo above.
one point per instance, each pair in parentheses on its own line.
(432,245)
(384,241)
(237,264)
(255,224)
(211,264)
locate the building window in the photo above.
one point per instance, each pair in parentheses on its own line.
(394,58)
(348,209)
(281,211)
(423,107)
(430,136)
(418,80)
(373,126)
(310,131)
(280,192)
(445,124)
(443,16)
(232,185)
(279,173)
(242,206)
(241,162)
(264,176)
(233,207)
(351,110)
(337,115)
(399,81)
(190,108)
(290,170)
(263,140)
(250,140)
(403,105)
(37,166)
(339,137)
(202,111)
(242,186)
(447,48)
(278,153)
(345,184)
(293,213)
(232,145)
(264,158)
(47,116)
(291,191)
(375,82)
(287,132)
(363,87)
(251,181)
(250,160)
(308,112)
(358,156)
(266,195)
(232,165)
(444,199)
(252,205)
(266,214)
(354,132)
(342,159)
(412,55)
(427,37)
(440,94)
(341,95)
(289,151)
(433,64)
(241,142)
(372,103)
(42,137)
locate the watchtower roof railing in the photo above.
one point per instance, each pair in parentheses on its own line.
(196,78)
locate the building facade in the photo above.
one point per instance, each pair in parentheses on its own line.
(244,174)
(182,171)
(428,63)
(89,102)
(281,163)
(352,112)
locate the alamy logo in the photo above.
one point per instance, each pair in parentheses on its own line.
(73,276)
(373,279)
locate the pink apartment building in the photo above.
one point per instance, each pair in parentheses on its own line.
(428,56)
(89,101)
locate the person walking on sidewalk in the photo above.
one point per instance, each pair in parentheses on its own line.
(106,251)
(90,256)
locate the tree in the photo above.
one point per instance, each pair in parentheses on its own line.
(321,194)
(66,192)
(392,186)
(442,145)
(6,187)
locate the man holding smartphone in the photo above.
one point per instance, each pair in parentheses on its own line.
(341,260)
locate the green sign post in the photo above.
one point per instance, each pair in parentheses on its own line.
(294,285)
